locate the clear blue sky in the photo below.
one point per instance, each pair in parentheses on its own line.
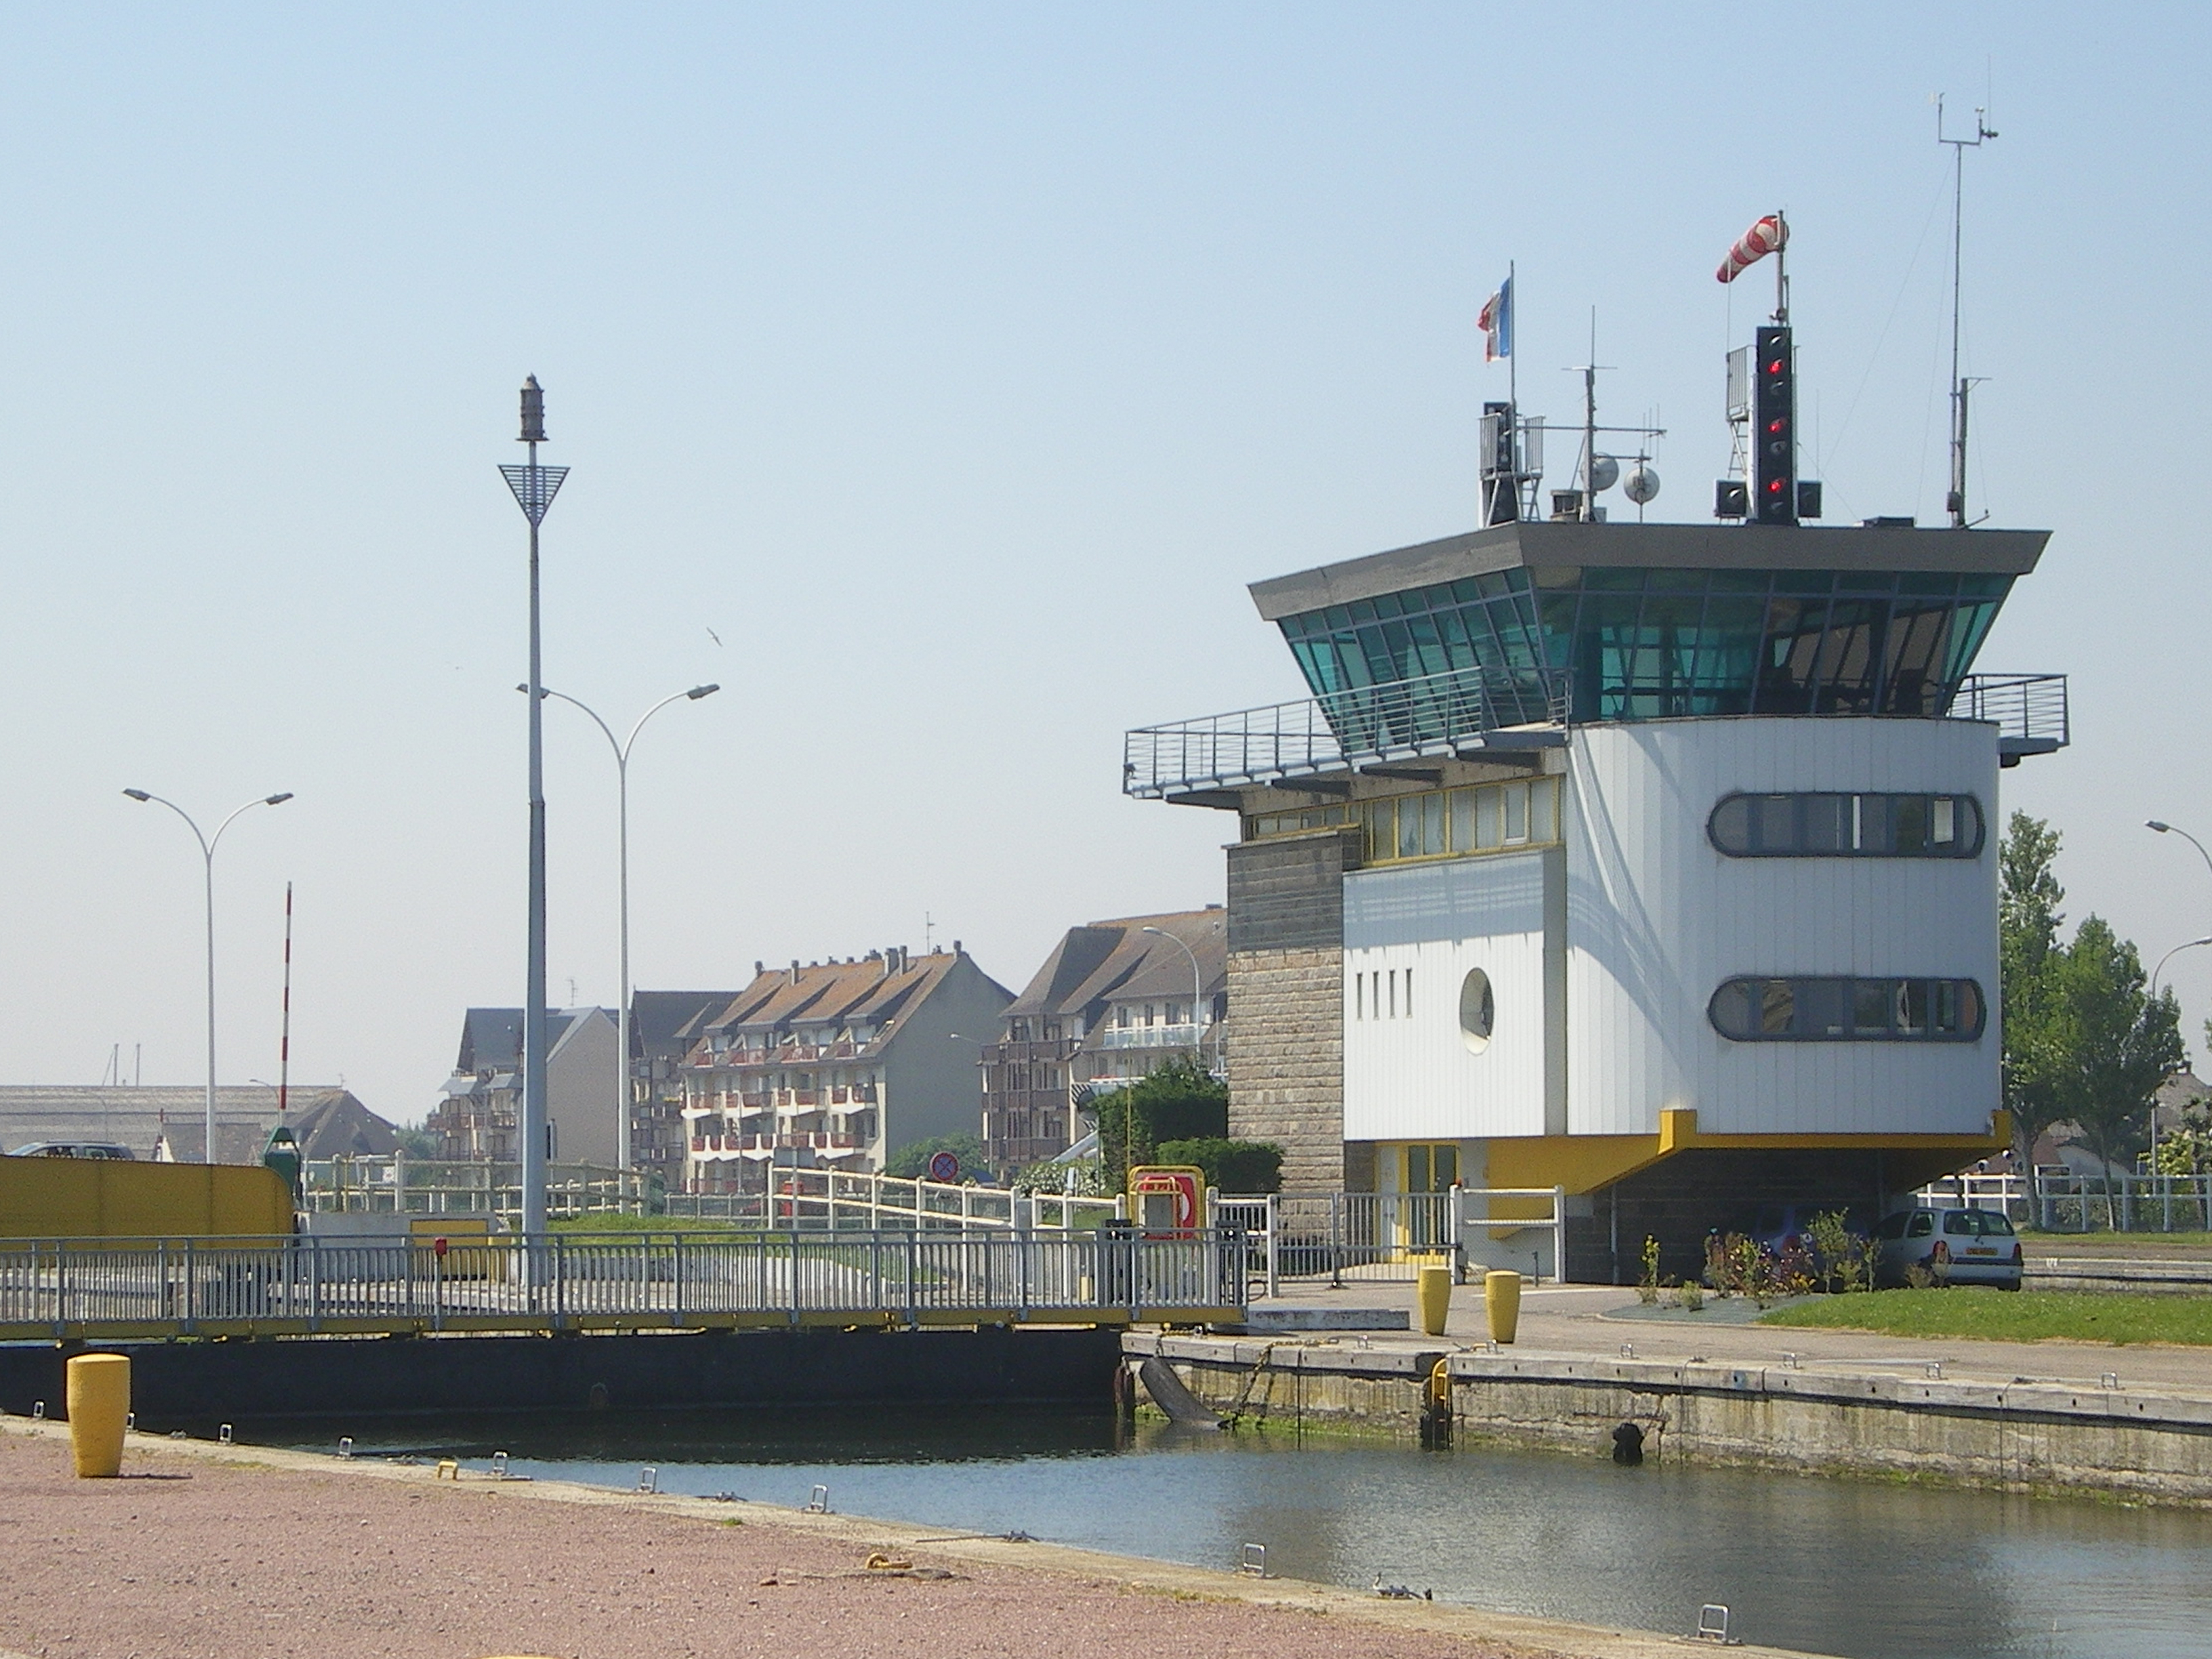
(956,366)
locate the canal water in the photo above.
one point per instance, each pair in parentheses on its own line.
(1866,1569)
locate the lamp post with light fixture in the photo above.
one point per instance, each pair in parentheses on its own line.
(622,748)
(534,488)
(1197,1041)
(207,859)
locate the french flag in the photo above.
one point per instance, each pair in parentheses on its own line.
(1496,321)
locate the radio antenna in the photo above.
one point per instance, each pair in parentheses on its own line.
(1956,501)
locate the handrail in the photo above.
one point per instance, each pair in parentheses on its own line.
(78,1290)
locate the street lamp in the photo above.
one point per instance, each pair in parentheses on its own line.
(1196,992)
(534,489)
(207,858)
(621,749)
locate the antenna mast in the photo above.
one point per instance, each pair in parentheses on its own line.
(1955,502)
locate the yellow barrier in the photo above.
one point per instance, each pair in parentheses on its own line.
(1501,1291)
(115,1198)
(99,1394)
(1436,1289)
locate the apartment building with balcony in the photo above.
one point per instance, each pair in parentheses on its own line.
(1112,999)
(837,1064)
(664,1027)
(480,1110)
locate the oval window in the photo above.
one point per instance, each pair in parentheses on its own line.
(1478,1010)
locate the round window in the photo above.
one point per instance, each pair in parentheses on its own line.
(1478,1010)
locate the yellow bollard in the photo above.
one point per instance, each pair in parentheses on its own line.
(99,1391)
(1501,1292)
(1435,1299)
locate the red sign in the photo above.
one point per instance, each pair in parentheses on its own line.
(945,1167)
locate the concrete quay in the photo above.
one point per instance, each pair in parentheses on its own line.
(2135,1421)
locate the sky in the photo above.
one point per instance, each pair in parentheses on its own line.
(934,379)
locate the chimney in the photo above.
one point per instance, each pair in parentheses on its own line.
(794,970)
(759,967)
(956,948)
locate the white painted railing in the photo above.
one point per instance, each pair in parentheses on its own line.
(78,1289)
(1351,1236)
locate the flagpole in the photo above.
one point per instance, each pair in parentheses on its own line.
(1512,372)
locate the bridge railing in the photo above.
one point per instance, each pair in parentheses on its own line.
(65,1289)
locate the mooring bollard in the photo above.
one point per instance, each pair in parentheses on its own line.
(1435,1299)
(1501,1294)
(98,1394)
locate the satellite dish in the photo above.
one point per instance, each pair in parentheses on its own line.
(1643,483)
(1605,472)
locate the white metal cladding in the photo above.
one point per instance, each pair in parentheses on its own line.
(1410,1076)
(1656,918)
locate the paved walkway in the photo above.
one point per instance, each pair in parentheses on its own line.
(1572,1320)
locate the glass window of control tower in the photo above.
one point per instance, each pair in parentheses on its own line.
(1632,643)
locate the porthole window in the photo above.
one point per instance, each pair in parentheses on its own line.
(1837,1010)
(1824,824)
(1478,1010)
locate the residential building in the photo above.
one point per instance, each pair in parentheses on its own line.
(171,1122)
(838,1064)
(480,1112)
(1655,863)
(664,1025)
(1112,999)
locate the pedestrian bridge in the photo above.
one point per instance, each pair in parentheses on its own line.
(93,1288)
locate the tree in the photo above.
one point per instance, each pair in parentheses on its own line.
(2119,1044)
(1231,1166)
(911,1160)
(2028,954)
(1178,1100)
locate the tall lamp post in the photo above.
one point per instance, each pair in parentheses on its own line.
(1197,991)
(207,858)
(534,488)
(622,748)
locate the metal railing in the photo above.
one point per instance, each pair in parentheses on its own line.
(1438,715)
(2029,710)
(1350,1236)
(835,1201)
(68,1289)
(419,1186)
(2058,1200)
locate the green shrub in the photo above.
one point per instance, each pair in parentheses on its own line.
(1178,1100)
(1231,1166)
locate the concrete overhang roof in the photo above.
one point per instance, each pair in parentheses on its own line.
(1539,546)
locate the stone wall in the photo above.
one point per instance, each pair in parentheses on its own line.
(1286,1060)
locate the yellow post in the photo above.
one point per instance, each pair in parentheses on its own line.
(99,1394)
(1435,1299)
(1501,1293)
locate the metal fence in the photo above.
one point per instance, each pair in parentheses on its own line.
(2058,1200)
(78,1289)
(398,1184)
(1354,1236)
(834,1201)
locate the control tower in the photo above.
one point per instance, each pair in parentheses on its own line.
(1657,862)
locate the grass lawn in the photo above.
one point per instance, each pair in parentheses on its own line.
(2101,1243)
(2009,1316)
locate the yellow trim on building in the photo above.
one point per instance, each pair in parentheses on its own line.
(1583,1163)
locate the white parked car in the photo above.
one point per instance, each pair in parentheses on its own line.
(1959,1246)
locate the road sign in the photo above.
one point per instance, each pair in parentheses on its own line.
(945,1166)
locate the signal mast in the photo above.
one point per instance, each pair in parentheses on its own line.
(1956,501)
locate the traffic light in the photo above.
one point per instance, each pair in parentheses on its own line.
(1774,429)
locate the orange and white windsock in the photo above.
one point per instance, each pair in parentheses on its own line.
(1769,235)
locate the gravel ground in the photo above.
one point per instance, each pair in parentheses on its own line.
(191,1555)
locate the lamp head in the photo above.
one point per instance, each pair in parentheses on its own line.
(277,801)
(699,692)
(533,412)
(137,794)
(2152,824)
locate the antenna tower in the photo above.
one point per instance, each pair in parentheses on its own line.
(1956,501)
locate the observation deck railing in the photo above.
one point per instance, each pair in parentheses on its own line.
(1436,715)
(2028,710)
(1457,714)
(74,1289)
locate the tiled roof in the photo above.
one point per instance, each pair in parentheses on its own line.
(1118,959)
